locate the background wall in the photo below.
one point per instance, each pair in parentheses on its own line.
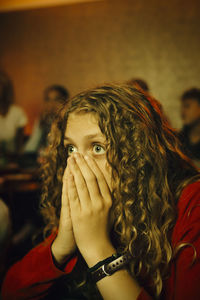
(86,44)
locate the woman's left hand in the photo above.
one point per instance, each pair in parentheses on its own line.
(90,202)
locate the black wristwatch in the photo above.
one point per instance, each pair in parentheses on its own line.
(111,267)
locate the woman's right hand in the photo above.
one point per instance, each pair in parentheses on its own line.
(64,244)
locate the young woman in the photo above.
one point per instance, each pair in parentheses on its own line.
(122,204)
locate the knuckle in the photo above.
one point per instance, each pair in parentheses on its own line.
(75,199)
(99,206)
(88,213)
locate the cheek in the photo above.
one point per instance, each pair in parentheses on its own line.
(188,112)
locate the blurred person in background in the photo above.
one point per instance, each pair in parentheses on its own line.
(139,83)
(12,120)
(190,133)
(5,233)
(5,224)
(142,86)
(54,97)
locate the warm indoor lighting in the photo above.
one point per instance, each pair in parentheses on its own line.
(10,5)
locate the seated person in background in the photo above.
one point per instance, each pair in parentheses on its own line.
(5,225)
(139,83)
(12,119)
(120,199)
(143,87)
(190,133)
(54,97)
(5,235)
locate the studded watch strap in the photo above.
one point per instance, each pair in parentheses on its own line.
(112,267)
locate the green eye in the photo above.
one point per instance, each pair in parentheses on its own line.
(98,149)
(71,149)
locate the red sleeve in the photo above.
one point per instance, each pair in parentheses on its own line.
(144,296)
(186,281)
(31,277)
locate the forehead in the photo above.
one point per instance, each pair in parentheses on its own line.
(79,124)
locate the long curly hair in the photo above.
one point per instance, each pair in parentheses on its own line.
(149,171)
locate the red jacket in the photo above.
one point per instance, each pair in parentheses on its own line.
(31,277)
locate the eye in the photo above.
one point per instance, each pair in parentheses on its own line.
(98,149)
(71,149)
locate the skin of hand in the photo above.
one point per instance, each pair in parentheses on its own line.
(64,245)
(90,202)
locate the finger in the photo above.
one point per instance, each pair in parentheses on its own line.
(73,197)
(64,198)
(65,218)
(81,186)
(103,185)
(89,176)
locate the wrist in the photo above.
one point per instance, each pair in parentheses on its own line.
(109,266)
(60,255)
(99,253)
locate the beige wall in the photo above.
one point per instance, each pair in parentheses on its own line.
(10,5)
(86,44)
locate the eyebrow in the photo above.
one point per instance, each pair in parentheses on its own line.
(89,136)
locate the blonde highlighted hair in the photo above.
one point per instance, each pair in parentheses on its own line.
(149,172)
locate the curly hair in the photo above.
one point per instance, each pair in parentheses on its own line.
(149,172)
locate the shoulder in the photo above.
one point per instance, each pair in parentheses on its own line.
(184,279)
(15,109)
(188,210)
(18,114)
(190,197)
